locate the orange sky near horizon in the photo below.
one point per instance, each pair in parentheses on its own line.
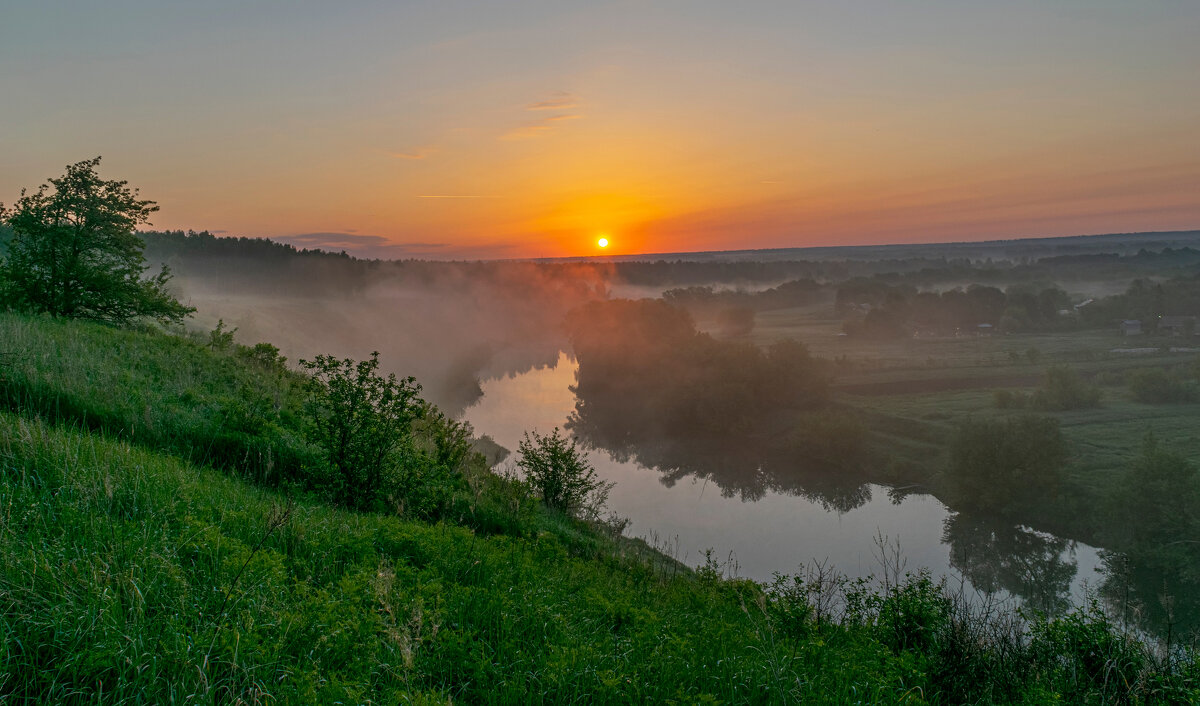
(531,130)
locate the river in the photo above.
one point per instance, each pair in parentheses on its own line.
(781,532)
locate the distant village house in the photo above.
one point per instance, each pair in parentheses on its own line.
(1177,325)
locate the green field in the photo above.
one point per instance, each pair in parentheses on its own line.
(927,384)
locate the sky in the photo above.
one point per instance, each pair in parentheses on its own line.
(453,130)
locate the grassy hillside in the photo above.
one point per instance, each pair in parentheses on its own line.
(231,408)
(150,557)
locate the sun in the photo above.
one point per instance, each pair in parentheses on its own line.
(603,242)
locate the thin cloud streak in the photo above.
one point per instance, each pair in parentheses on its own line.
(540,127)
(422,153)
(561,101)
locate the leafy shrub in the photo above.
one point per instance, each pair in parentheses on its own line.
(265,356)
(1156,501)
(431,464)
(557,470)
(221,338)
(361,420)
(1095,662)
(97,261)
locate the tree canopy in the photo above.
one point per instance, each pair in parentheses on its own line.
(75,253)
(1001,465)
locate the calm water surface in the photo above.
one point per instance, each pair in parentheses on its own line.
(779,532)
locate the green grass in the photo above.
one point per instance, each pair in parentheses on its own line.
(131,577)
(119,561)
(165,391)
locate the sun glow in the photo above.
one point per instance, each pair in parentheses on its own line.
(603,242)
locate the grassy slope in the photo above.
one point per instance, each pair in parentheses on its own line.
(133,574)
(159,390)
(118,561)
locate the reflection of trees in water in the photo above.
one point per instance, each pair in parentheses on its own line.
(650,388)
(1161,597)
(997,556)
(747,467)
(461,384)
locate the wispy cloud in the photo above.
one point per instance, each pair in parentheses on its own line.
(419,153)
(540,127)
(561,100)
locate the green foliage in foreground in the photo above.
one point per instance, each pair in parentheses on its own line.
(133,577)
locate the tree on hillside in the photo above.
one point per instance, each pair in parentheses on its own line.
(363,422)
(74,252)
(560,473)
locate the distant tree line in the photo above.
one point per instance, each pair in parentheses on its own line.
(1147,300)
(874,309)
(706,300)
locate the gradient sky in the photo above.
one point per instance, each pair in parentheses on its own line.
(520,129)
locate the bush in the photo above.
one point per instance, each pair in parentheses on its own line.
(362,421)
(432,465)
(1157,386)
(1096,663)
(557,470)
(1065,390)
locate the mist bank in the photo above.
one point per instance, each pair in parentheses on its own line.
(452,323)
